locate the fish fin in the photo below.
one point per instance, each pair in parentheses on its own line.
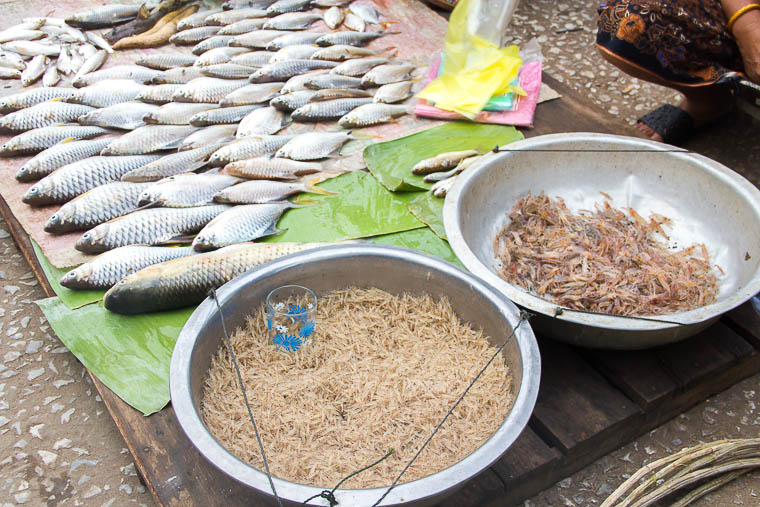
(272,230)
(67,140)
(391,50)
(303,203)
(57,99)
(362,135)
(154,204)
(181,238)
(310,186)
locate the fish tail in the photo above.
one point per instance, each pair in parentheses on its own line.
(310,186)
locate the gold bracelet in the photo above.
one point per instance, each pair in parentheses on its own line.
(738,14)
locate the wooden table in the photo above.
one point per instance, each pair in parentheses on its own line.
(612,397)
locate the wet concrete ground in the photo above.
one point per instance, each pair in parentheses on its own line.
(58,444)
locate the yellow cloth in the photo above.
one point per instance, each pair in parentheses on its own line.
(474,69)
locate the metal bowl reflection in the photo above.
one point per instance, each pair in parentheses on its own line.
(395,270)
(707,202)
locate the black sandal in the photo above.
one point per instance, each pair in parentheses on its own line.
(673,123)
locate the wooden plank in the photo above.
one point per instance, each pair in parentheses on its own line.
(577,409)
(745,320)
(476,492)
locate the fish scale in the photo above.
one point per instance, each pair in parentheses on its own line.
(227,71)
(174,163)
(148,139)
(148,227)
(186,190)
(293,100)
(262,121)
(196,20)
(271,168)
(124,116)
(208,89)
(247,148)
(251,94)
(224,115)
(220,55)
(177,113)
(96,206)
(292,21)
(372,114)
(33,97)
(193,35)
(328,110)
(215,134)
(283,6)
(106,93)
(43,115)
(234,15)
(214,42)
(58,156)
(313,145)
(136,73)
(259,39)
(186,281)
(292,39)
(165,62)
(78,177)
(243,26)
(108,268)
(180,75)
(239,224)
(158,94)
(284,70)
(39,139)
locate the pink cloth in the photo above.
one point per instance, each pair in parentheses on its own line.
(530,81)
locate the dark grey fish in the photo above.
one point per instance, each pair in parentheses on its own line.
(165,62)
(96,206)
(283,6)
(328,110)
(43,115)
(107,269)
(101,17)
(154,226)
(37,140)
(292,39)
(107,93)
(349,38)
(148,139)
(234,15)
(292,21)
(76,178)
(323,81)
(57,156)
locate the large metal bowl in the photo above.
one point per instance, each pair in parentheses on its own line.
(707,202)
(398,271)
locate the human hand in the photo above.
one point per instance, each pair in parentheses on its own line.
(746,31)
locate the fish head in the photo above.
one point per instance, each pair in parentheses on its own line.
(25,172)
(92,240)
(61,220)
(148,197)
(204,242)
(78,277)
(37,193)
(5,105)
(133,294)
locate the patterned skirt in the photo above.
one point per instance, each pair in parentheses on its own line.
(684,42)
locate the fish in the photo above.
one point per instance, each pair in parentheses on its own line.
(217,41)
(135,73)
(442,175)
(154,226)
(31,48)
(323,81)
(265,191)
(123,116)
(208,89)
(258,39)
(295,52)
(148,139)
(333,17)
(95,206)
(34,70)
(292,21)
(39,139)
(76,61)
(388,73)
(349,38)
(215,134)
(106,93)
(74,179)
(271,168)
(99,41)
(51,76)
(239,224)
(298,83)
(365,13)
(91,64)
(196,20)
(254,146)
(282,71)
(252,94)
(224,115)
(100,17)
(158,94)
(59,155)
(292,39)
(169,165)
(11,60)
(63,63)
(339,93)
(186,281)
(44,114)
(185,190)
(358,67)
(166,62)
(372,114)
(180,75)
(7,73)
(331,3)
(193,35)
(177,113)
(243,26)
(283,6)
(293,100)
(313,145)
(261,121)
(14,33)
(87,50)
(231,16)
(442,162)
(159,34)
(220,55)
(240,4)
(342,52)
(227,71)
(108,268)
(393,92)
(354,22)
(328,110)
(441,188)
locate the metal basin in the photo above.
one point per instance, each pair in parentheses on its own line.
(707,202)
(395,270)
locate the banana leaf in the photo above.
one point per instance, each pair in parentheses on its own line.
(391,162)
(71,298)
(429,210)
(128,353)
(423,240)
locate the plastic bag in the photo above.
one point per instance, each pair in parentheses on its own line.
(476,67)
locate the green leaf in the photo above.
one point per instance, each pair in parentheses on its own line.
(362,208)
(423,240)
(391,162)
(128,353)
(429,209)
(71,298)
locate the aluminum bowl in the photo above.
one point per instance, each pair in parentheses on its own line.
(396,270)
(708,203)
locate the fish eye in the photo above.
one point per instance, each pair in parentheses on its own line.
(33,190)
(86,235)
(54,217)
